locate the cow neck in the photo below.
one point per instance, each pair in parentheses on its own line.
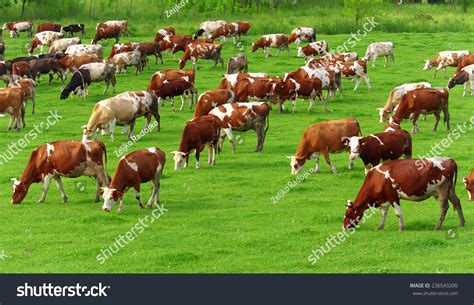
(30,175)
(118,183)
(184,147)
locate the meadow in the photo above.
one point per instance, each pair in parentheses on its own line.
(223,219)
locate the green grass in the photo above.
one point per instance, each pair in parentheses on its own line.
(222,219)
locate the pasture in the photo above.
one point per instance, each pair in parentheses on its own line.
(223,219)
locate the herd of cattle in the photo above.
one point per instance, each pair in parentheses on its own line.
(241,102)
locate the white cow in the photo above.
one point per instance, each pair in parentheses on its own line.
(444,59)
(122,24)
(380,48)
(85,49)
(127,59)
(61,45)
(209,27)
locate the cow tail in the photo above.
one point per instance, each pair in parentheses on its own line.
(268,122)
(105,156)
(455,177)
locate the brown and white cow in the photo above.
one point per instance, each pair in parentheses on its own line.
(53,27)
(107,32)
(330,78)
(257,88)
(294,87)
(383,146)
(122,24)
(12,102)
(28,86)
(395,96)
(465,77)
(380,48)
(197,134)
(209,27)
(70,159)
(230,80)
(122,109)
(302,34)
(279,41)
(313,49)
(469,184)
(171,83)
(211,99)
(409,179)
(43,39)
(71,63)
(61,45)
(175,43)
(85,49)
(243,117)
(464,61)
(238,63)
(16,28)
(426,101)
(162,33)
(127,59)
(357,70)
(444,59)
(137,167)
(20,69)
(234,30)
(323,138)
(202,50)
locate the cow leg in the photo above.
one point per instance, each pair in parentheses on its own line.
(51,77)
(107,84)
(132,126)
(472,87)
(456,204)
(60,186)
(316,159)
(230,134)
(398,212)
(386,62)
(384,211)
(198,153)
(465,90)
(436,72)
(323,101)
(447,118)
(137,196)
(393,60)
(172,103)
(445,75)
(325,154)
(98,185)
(124,129)
(33,104)
(210,157)
(437,116)
(46,182)
(121,206)
(357,82)
(373,60)
(415,125)
(182,103)
(111,129)
(351,163)
(12,119)
(367,81)
(443,201)
(266,52)
(278,51)
(293,103)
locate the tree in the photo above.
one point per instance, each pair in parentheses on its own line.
(360,8)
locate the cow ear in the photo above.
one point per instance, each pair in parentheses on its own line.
(289,157)
(349,204)
(83,126)
(345,140)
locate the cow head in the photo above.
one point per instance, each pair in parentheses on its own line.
(255,47)
(383,113)
(353,216)
(296,164)
(19,191)
(300,52)
(179,158)
(110,195)
(86,133)
(353,143)
(469,183)
(428,65)
(458,79)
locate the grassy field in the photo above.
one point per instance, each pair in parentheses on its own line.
(222,219)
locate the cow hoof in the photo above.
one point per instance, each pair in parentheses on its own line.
(140,206)
(120,210)
(148,205)
(65,199)
(380,227)
(402,229)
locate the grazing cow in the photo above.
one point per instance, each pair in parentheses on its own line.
(152,48)
(426,101)
(377,49)
(409,179)
(230,80)
(211,99)
(197,134)
(122,24)
(375,148)
(396,95)
(122,109)
(238,63)
(162,33)
(137,167)
(357,70)
(20,69)
(303,88)
(71,63)
(279,41)
(330,78)
(43,39)
(85,49)
(464,77)
(176,87)
(175,43)
(127,59)
(330,59)
(41,66)
(469,184)
(74,28)
(202,50)
(302,34)
(444,59)
(162,78)
(243,117)
(12,102)
(61,45)
(123,47)
(28,86)
(107,32)
(464,61)
(324,138)
(53,27)
(313,49)
(88,73)
(129,47)
(70,159)
(16,28)
(234,30)
(259,88)
(209,27)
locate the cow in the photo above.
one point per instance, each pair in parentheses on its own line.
(330,78)
(122,24)
(196,135)
(303,88)
(230,80)
(357,70)
(426,101)
(162,33)
(130,47)
(175,43)
(409,179)
(42,39)
(383,146)
(61,45)
(211,99)
(202,50)
(74,28)
(464,61)
(302,34)
(88,73)
(71,63)
(20,70)
(243,117)
(279,41)
(41,66)
(395,96)
(85,49)
(380,48)
(238,63)
(127,59)
(107,32)
(122,109)
(444,59)
(6,71)
(324,138)
(464,77)
(16,28)
(164,76)
(259,89)
(175,87)
(53,27)
(313,49)
(469,184)
(137,167)
(2,47)
(70,159)
(28,86)
(234,30)
(209,27)
(12,102)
